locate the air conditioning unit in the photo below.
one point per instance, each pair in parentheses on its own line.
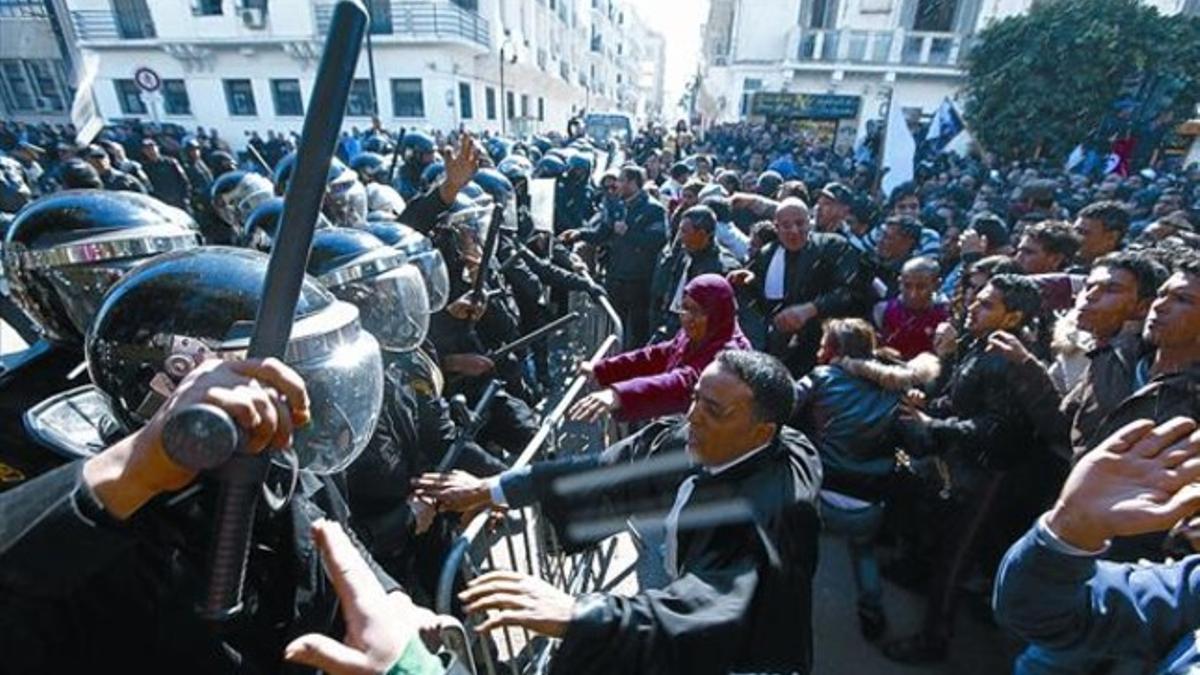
(254,17)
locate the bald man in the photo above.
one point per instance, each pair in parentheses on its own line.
(795,283)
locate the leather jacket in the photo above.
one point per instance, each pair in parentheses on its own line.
(848,409)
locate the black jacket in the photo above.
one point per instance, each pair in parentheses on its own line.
(672,266)
(83,592)
(631,256)
(980,421)
(168,182)
(743,599)
(825,272)
(119,180)
(848,409)
(27,379)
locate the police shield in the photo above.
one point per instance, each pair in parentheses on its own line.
(541,204)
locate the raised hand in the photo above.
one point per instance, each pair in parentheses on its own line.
(1140,479)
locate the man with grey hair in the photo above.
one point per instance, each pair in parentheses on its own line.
(795,282)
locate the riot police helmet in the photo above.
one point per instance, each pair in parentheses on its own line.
(420,251)
(236,194)
(415,146)
(345,202)
(516,169)
(550,166)
(159,321)
(378,144)
(579,166)
(433,174)
(64,251)
(263,224)
(370,167)
(383,202)
(389,292)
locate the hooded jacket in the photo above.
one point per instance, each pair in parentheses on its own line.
(658,380)
(848,409)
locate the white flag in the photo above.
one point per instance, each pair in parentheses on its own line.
(898,151)
(84,113)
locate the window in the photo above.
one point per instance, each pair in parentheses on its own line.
(407,98)
(510,105)
(381,16)
(465,109)
(239,97)
(27,9)
(525,106)
(17,87)
(360,103)
(489,100)
(749,86)
(129,97)
(50,96)
(206,7)
(286,95)
(935,15)
(133,19)
(541,109)
(823,14)
(175,98)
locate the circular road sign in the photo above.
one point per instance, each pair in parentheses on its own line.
(147,79)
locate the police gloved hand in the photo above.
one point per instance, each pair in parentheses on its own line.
(595,291)
(381,628)
(264,397)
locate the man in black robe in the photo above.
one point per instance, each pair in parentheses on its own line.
(792,285)
(736,489)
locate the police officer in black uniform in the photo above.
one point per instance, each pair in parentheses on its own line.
(97,571)
(418,151)
(61,254)
(415,430)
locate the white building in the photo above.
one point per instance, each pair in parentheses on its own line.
(33,75)
(859,51)
(242,65)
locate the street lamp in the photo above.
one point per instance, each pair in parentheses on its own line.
(503,95)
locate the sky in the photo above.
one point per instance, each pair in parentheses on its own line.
(679,21)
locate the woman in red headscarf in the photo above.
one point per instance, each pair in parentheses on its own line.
(658,380)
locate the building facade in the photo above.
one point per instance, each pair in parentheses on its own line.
(33,73)
(521,66)
(850,57)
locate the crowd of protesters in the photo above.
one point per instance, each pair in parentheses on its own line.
(957,347)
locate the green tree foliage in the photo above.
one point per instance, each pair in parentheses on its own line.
(1046,79)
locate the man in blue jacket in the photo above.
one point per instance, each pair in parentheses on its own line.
(633,241)
(1076,611)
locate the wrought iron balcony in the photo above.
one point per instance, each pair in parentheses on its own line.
(421,21)
(101,24)
(898,47)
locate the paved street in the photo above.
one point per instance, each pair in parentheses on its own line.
(978,649)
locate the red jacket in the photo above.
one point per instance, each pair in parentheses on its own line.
(658,380)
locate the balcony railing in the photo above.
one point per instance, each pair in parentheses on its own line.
(102,24)
(898,47)
(423,21)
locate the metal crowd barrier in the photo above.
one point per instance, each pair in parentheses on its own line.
(520,541)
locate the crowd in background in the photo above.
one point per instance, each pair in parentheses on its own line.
(957,345)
